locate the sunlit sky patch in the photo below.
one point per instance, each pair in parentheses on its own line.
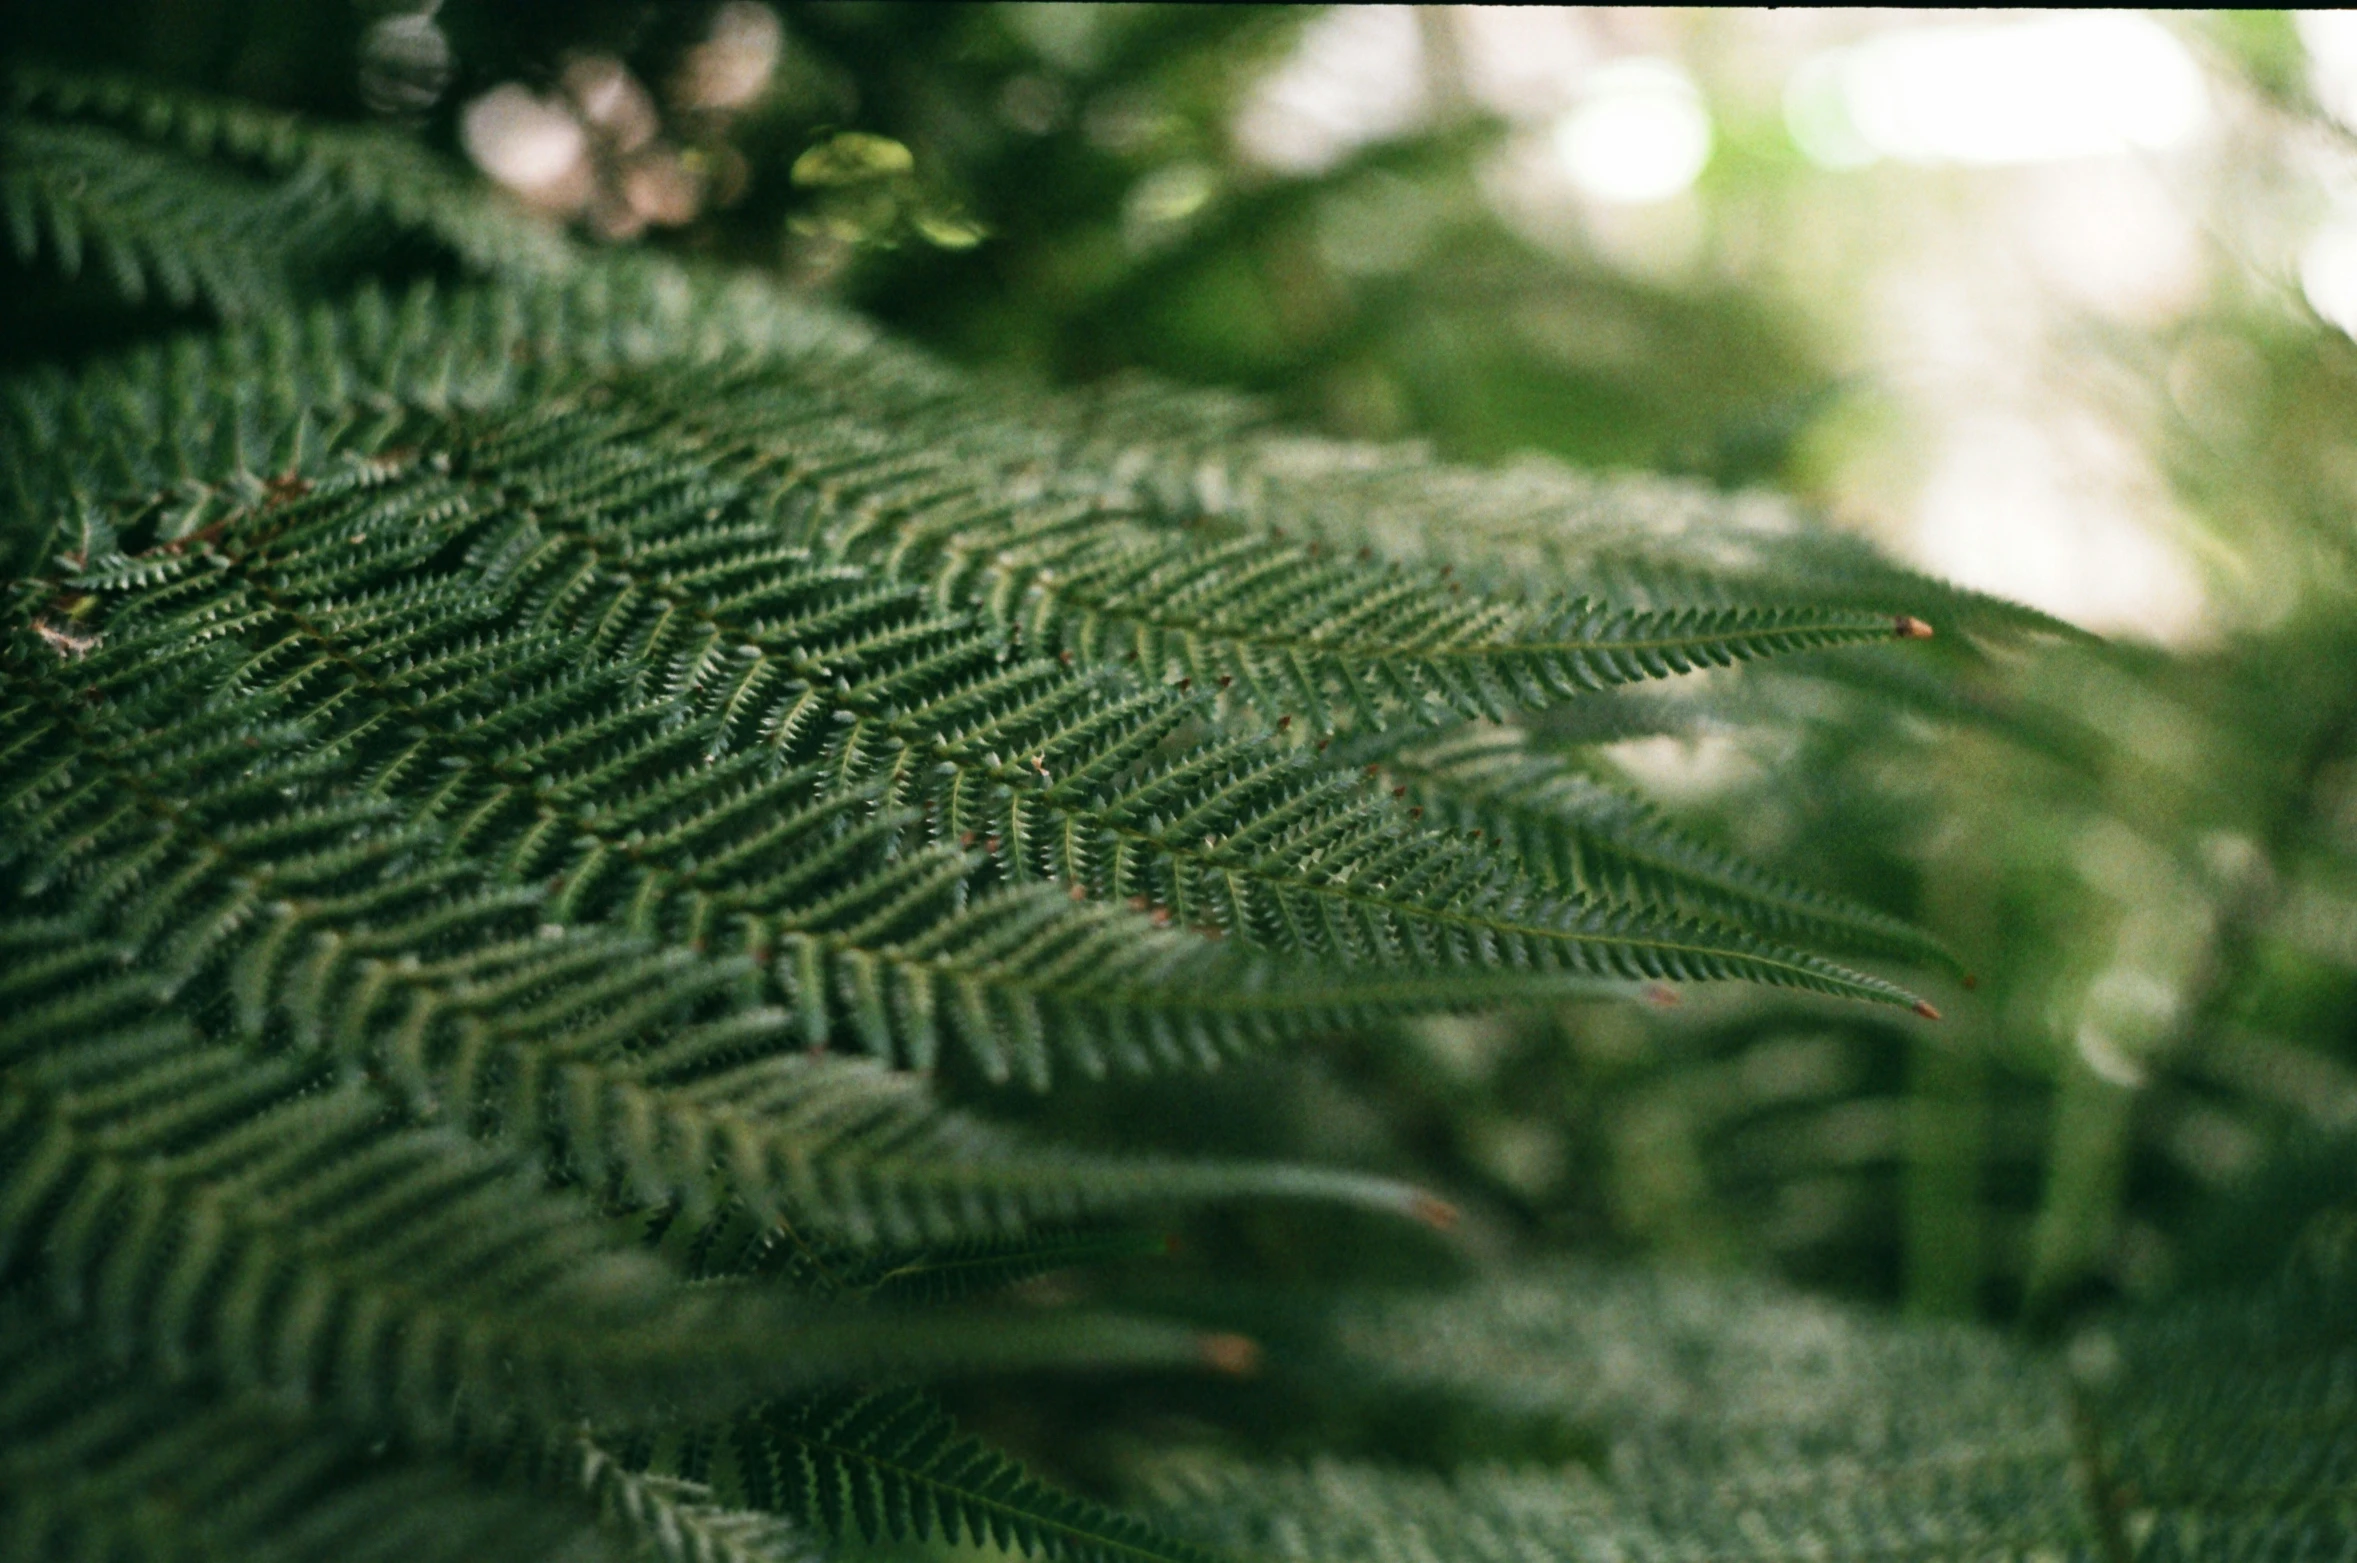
(2085,84)
(2328,264)
(2330,38)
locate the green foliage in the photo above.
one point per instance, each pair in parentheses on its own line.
(891,1466)
(110,161)
(1585,835)
(547,793)
(1743,1423)
(99,1464)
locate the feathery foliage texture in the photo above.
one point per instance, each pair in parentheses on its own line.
(544,793)
(1735,1422)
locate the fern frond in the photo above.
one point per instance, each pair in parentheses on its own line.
(1207,459)
(733,1242)
(1026,977)
(260,1222)
(1583,837)
(1043,768)
(890,1466)
(1288,634)
(151,226)
(1079,524)
(368,174)
(958,1271)
(677,1522)
(892,466)
(568,705)
(269,1228)
(866,1156)
(613,1044)
(99,1464)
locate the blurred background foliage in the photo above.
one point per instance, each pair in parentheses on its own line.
(2108,378)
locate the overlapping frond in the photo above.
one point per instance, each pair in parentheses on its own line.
(88,201)
(314,871)
(1066,559)
(1054,776)
(329,184)
(265,1224)
(1210,459)
(1587,837)
(97,1463)
(636,714)
(678,1522)
(891,1466)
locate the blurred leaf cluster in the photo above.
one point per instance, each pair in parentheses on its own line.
(1381,297)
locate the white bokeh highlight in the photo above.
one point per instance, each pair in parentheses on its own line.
(2045,89)
(530,144)
(1640,133)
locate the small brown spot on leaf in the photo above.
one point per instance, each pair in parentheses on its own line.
(1235,1355)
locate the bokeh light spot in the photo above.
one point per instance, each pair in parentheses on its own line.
(2091,84)
(1640,133)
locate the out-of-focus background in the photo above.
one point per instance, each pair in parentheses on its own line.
(2054,304)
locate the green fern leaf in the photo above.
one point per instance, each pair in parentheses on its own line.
(1584,837)
(731,1243)
(677,1522)
(1208,459)
(371,174)
(613,631)
(1290,635)
(93,201)
(891,1466)
(95,1463)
